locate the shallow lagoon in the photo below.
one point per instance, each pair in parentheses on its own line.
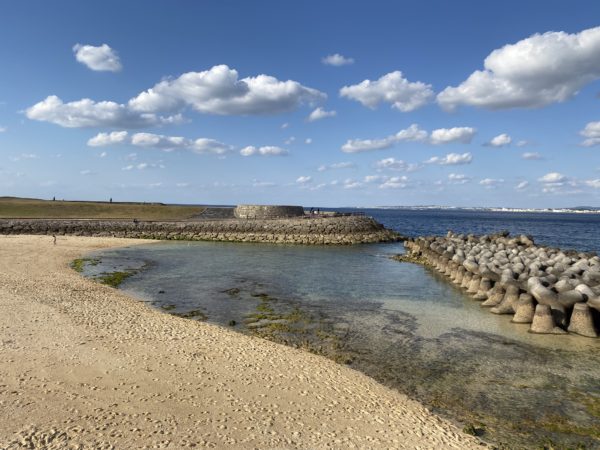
(398,322)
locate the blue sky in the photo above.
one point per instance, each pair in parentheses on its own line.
(335,103)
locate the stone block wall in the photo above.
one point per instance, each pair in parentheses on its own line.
(267,211)
(316,231)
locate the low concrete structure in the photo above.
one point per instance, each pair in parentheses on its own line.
(267,211)
(313,231)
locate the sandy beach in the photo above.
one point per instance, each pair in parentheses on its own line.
(85,366)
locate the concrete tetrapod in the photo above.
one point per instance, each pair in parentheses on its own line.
(543,322)
(582,322)
(525,309)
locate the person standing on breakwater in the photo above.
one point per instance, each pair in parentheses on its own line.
(54,239)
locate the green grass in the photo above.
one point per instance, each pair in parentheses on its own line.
(22,208)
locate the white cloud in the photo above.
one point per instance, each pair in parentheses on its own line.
(102,139)
(103,155)
(304,179)
(593,183)
(268,150)
(553,177)
(451,159)
(491,183)
(502,140)
(334,166)
(395,164)
(336,60)
(522,143)
(220,91)
(349,183)
(534,72)
(308,141)
(102,58)
(182,185)
(592,133)
(170,143)
(257,183)
(390,88)
(319,114)
(395,183)
(3,129)
(289,140)
(522,185)
(86,172)
(24,156)
(88,113)
(374,178)
(463,135)
(144,166)
(458,178)
(531,156)
(284,126)
(412,133)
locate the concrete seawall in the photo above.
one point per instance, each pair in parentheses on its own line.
(311,231)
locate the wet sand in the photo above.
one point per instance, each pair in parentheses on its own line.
(84,366)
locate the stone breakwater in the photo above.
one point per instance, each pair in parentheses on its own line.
(556,292)
(317,231)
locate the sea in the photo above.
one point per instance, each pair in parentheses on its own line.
(398,322)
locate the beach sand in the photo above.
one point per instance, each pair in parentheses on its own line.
(85,366)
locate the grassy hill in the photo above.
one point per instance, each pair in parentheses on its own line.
(26,208)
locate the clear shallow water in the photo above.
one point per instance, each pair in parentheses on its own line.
(398,322)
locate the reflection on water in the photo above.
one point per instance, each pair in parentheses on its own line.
(397,322)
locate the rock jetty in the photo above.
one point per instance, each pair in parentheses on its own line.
(343,230)
(555,291)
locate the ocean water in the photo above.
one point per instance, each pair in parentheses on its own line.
(400,323)
(565,230)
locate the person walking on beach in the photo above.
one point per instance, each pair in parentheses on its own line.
(54,239)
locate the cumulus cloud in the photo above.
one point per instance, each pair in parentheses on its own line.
(391,88)
(171,143)
(305,179)
(593,183)
(143,166)
(491,183)
(308,141)
(257,183)
(214,91)
(87,113)
(395,183)
(535,72)
(412,133)
(458,178)
(319,114)
(336,60)
(592,134)
(101,58)
(502,140)
(451,159)
(3,129)
(219,90)
(522,143)
(334,166)
(395,164)
(522,185)
(268,150)
(553,177)
(463,135)
(102,139)
(531,156)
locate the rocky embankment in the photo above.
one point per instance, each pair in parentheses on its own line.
(555,291)
(315,231)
